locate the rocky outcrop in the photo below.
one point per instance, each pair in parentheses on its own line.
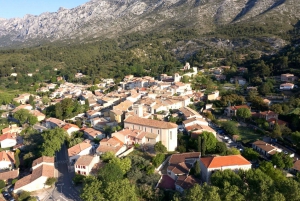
(109,18)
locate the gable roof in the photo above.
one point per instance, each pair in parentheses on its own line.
(43,170)
(9,174)
(178,158)
(7,156)
(79,147)
(150,122)
(239,106)
(85,160)
(221,161)
(67,126)
(43,159)
(186,182)
(6,136)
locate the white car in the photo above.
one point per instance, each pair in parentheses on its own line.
(181,129)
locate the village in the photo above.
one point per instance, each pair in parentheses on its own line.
(169,115)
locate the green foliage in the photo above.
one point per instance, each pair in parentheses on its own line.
(205,192)
(250,154)
(276,131)
(17,159)
(158,159)
(14,181)
(196,171)
(124,164)
(52,141)
(109,173)
(50,181)
(221,148)
(244,113)
(210,142)
(233,151)
(2,184)
(107,156)
(159,147)
(282,161)
(24,116)
(78,178)
(230,127)
(91,189)
(120,190)
(65,109)
(24,195)
(233,99)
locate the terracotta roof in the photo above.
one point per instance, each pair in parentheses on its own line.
(239,106)
(79,147)
(37,113)
(296,165)
(43,159)
(92,132)
(186,182)
(9,174)
(180,168)
(220,161)
(287,84)
(43,170)
(67,126)
(166,182)
(7,156)
(58,122)
(178,158)
(150,122)
(264,146)
(273,120)
(85,160)
(8,136)
(193,119)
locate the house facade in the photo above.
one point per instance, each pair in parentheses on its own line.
(166,131)
(8,140)
(287,86)
(211,164)
(231,110)
(81,149)
(7,160)
(85,164)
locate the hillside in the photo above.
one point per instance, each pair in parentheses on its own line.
(112,18)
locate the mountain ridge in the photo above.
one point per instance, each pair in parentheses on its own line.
(105,18)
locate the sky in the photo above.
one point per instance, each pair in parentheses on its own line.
(19,8)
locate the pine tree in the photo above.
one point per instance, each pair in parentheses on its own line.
(199,143)
(203,147)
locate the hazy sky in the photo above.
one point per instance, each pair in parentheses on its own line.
(19,8)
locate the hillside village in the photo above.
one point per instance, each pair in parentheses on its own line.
(184,123)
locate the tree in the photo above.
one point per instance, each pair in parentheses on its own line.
(210,141)
(78,178)
(221,148)
(124,164)
(196,171)
(158,159)
(290,189)
(91,189)
(276,131)
(282,160)
(109,173)
(134,174)
(125,191)
(52,141)
(32,119)
(24,195)
(274,173)
(21,115)
(185,79)
(31,101)
(233,151)
(50,181)
(296,138)
(2,184)
(250,154)
(230,127)
(244,113)
(107,156)
(195,193)
(199,143)
(159,147)
(203,147)
(17,159)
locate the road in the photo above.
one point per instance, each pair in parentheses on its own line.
(64,189)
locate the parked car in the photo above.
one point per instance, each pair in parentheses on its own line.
(180,129)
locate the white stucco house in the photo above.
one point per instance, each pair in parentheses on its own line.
(71,128)
(42,169)
(287,86)
(8,140)
(7,160)
(211,164)
(92,134)
(85,164)
(81,149)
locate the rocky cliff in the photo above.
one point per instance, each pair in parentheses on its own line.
(109,18)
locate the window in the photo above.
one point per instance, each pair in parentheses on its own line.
(148,139)
(151,130)
(145,128)
(170,135)
(83,167)
(157,131)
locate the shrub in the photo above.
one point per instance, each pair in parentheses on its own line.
(158,159)
(50,181)
(2,184)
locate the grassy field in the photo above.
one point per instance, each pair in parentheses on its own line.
(249,134)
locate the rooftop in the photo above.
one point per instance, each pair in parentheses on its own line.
(150,122)
(221,161)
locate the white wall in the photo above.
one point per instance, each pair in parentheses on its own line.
(8,143)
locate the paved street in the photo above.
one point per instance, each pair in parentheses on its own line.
(64,189)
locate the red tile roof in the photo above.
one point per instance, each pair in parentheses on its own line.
(79,147)
(8,136)
(9,174)
(7,156)
(220,161)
